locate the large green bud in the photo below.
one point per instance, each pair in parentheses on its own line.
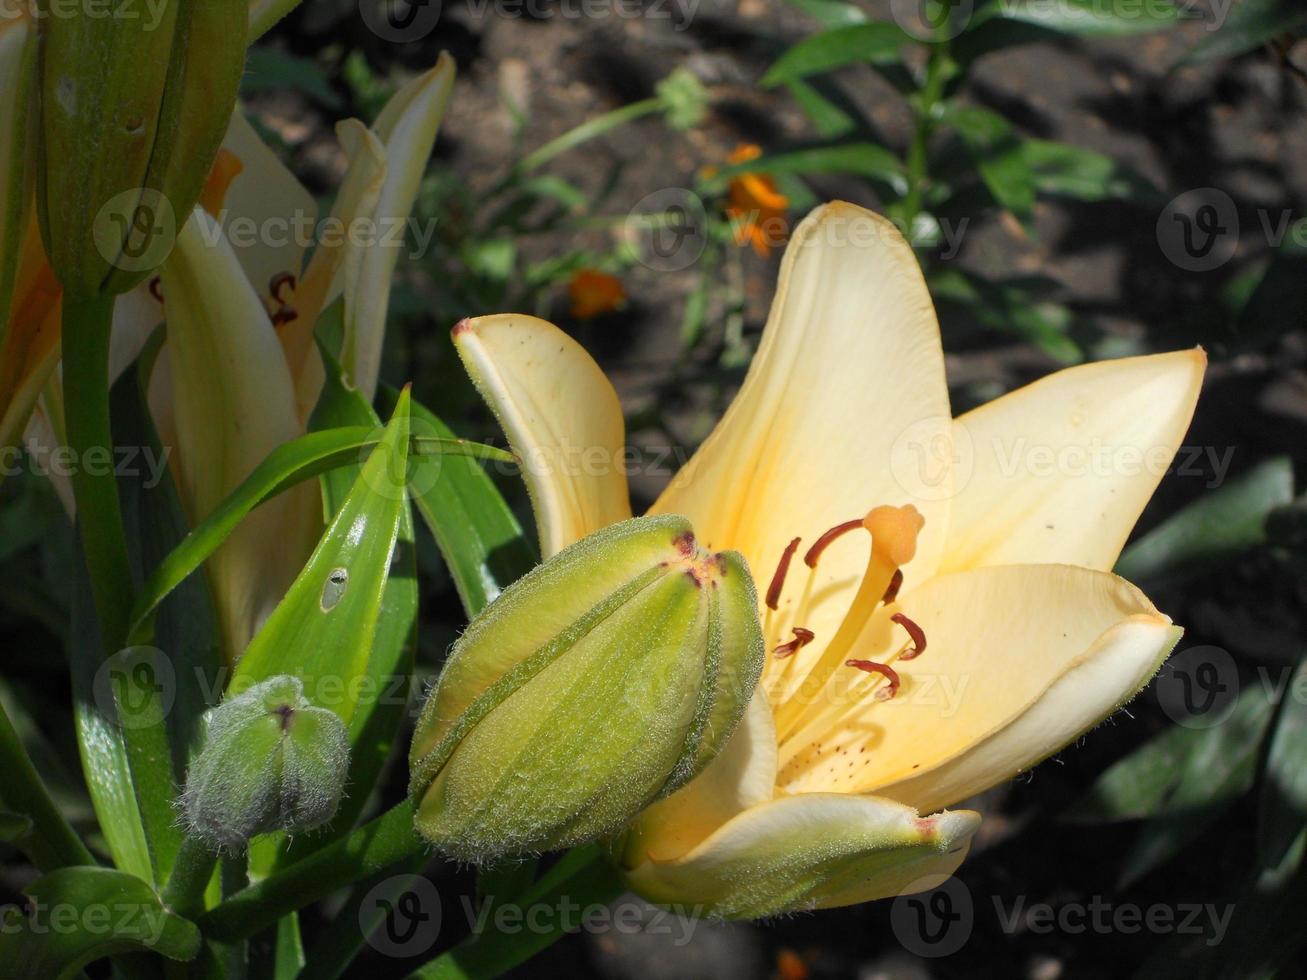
(135,100)
(604,679)
(271,761)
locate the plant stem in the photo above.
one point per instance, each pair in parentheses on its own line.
(191,873)
(385,841)
(86,325)
(927,98)
(52,843)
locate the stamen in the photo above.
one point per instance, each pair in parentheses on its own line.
(802,638)
(279,283)
(892,590)
(156,288)
(917,634)
(778,580)
(824,542)
(885,671)
(285,315)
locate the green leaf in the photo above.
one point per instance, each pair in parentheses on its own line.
(827,117)
(479,537)
(1280,838)
(390,664)
(1010,307)
(80,915)
(14,827)
(287,465)
(998,154)
(1062,170)
(1278,303)
(1087,18)
(830,13)
(1218,525)
(1181,780)
(1249,24)
(276,70)
(580,879)
(858,159)
(877,42)
(321,632)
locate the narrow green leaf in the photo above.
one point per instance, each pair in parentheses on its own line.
(1183,771)
(287,465)
(1062,170)
(479,537)
(1090,18)
(79,915)
(877,42)
(1284,789)
(998,154)
(321,632)
(830,13)
(1219,524)
(30,817)
(1278,303)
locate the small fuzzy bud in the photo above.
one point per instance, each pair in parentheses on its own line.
(271,761)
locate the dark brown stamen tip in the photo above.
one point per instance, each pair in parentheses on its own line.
(156,288)
(892,590)
(285,315)
(824,542)
(917,634)
(801,639)
(279,283)
(778,580)
(885,671)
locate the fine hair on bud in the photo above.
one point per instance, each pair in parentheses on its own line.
(271,761)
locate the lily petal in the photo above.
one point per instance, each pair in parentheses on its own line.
(560,415)
(407,126)
(742,775)
(1064,467)
(233,403)
(1003,641)
(818,850)
(849,377)
(267,198)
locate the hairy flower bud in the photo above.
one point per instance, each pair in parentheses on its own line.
(133,110)
(604,679)
(271,761)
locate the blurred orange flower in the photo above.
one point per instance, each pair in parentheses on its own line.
(757,209)
(595,293)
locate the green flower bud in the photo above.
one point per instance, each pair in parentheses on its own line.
(604,679)
(134,106)
(271,761)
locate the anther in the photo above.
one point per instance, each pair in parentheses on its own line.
(884,670)
(279,283)
(824,542)
(156,288)
(892,590)
(917,634)
(778,580)
(802,638)
(287,314)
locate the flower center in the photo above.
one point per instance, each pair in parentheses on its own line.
(802,688)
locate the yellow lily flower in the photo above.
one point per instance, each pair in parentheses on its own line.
(974,630)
